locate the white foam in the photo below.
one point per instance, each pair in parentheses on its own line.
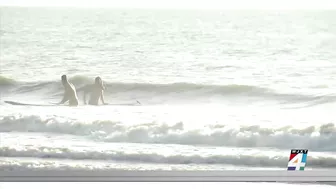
(49,147)
(317,138)
(28,164)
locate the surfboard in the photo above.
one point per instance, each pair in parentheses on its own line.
(126,104)
(25,104)
(137,103)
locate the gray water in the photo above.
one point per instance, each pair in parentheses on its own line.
(219,89)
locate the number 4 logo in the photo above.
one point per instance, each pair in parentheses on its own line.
(298,161)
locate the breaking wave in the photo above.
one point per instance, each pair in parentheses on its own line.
(4,81)
(143,157)
(318,138)
(178,90)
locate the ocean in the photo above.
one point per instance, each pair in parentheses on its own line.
(219,90)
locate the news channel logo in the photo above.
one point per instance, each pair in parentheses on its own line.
(297,160)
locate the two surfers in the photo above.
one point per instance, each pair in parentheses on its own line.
(95,90)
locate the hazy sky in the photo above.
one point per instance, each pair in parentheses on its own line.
(221,4)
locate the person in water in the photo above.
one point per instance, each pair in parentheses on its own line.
(96,91)
(69,92)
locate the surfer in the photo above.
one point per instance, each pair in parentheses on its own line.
(69,92)
(96,91)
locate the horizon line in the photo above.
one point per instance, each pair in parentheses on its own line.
(169,7)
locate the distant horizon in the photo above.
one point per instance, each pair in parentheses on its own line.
(169,8)
(161,8)
(179,4)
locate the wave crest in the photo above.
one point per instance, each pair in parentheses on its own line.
(171,92)
(238,160)
(318,138)
(4,81)
(163,91)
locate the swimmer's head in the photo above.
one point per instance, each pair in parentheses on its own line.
(64,79)
(98,80)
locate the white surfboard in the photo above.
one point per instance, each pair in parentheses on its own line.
(27,104)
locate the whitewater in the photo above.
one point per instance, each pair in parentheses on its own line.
(219,90)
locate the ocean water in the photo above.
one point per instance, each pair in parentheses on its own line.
(219,90)
(154,185)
